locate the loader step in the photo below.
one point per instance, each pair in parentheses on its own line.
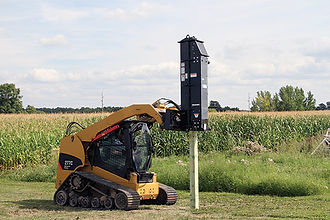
(167,196)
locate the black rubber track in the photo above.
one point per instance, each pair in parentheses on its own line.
(133,198)
(172,196)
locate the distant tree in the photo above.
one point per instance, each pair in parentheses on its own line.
(236,109)
(263,102)
(30,109)
(299,99)
(227,108)
(111,109)
(10,99)
(288,99)
(310,101)
(77,110)
(321,106)
(276,102)
(328,105)
(215,105)
(287,95)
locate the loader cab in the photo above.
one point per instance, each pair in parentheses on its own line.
(124,150)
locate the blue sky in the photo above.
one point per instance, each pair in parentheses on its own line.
(65,53)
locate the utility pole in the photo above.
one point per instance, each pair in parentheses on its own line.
(102,103)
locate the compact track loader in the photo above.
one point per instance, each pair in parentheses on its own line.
(106,165)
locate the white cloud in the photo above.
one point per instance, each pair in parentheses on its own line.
(16,54)
(3,31)
(143,10)
(137,84)
(117,13)
(142,74)
(292,63)
(63,15)
(46,75)
(58,39)
(316,47)
(161,70)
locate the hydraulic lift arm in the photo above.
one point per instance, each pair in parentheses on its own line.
(139,110)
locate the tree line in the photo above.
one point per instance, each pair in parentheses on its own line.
(10,102)
(323,106)
(78,110)
(287,99)
(215,106)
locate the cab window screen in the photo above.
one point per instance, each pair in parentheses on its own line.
(143,147)
(112,153)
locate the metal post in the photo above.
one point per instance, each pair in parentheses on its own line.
(194,189)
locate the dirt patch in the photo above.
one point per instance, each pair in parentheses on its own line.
(250,148)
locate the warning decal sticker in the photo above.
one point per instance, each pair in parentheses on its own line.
(196,115)
(183,77)
(193,75)
(182,69)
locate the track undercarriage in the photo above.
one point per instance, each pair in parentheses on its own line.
(91,191)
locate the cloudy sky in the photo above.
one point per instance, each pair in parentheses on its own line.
(65,53)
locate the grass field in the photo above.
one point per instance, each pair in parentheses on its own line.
(26,200)
(243,185)
(268,173)
(280,174)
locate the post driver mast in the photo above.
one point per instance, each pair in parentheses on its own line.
(194,102)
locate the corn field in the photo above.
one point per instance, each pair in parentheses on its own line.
(28,139)
(231,130)
(31,138)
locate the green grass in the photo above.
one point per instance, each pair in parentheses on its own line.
(279,174)
(33,200)
(287,175)
(32,173)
